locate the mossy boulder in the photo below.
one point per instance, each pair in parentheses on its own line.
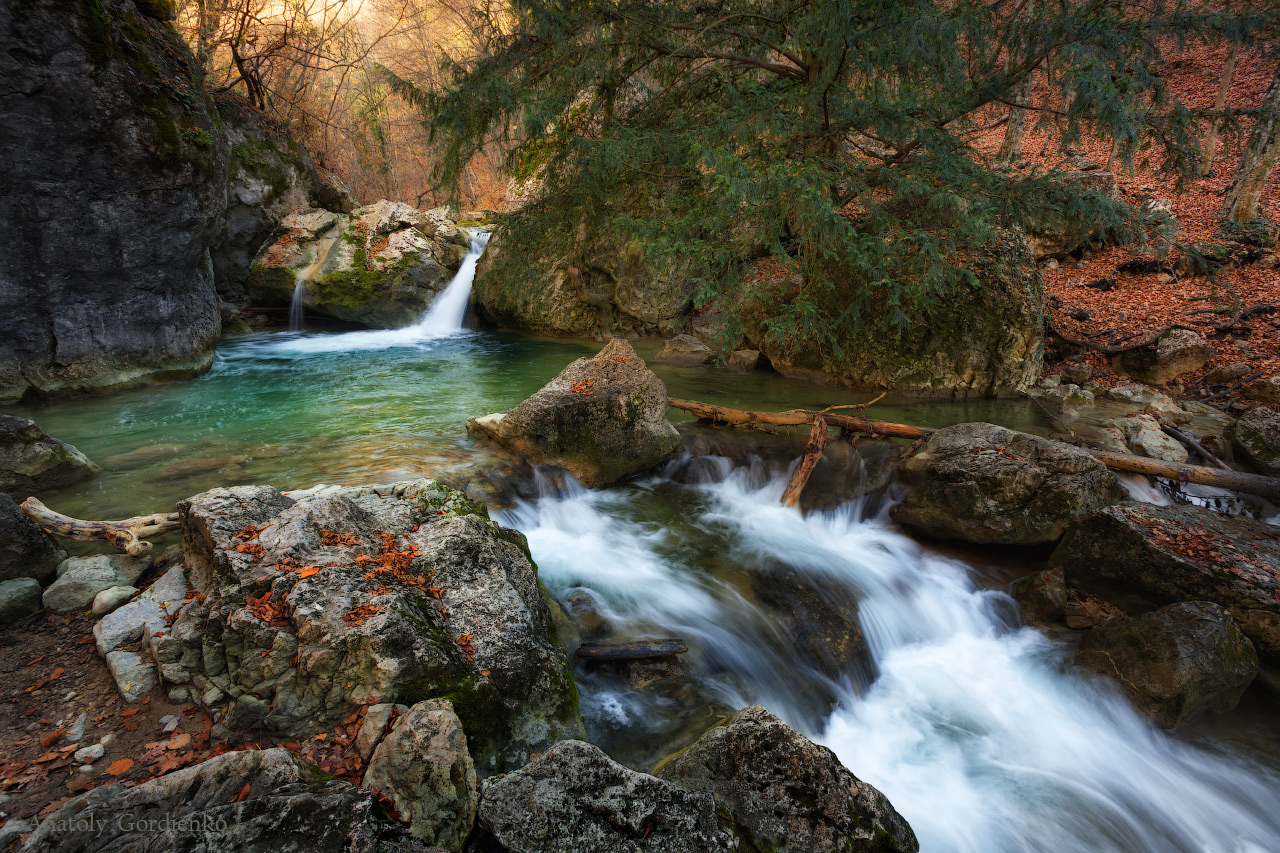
(381,266)
(1138,555)
(1174,353)
(602,419)
(1176,663)
(781,791)
(984,339)
(986,484)
(32,461)
(1256,437)
(415,595)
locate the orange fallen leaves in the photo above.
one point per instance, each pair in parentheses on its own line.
(464,643)
(119,767)
(583,387)
(328,537)
(359,615)
(256,551)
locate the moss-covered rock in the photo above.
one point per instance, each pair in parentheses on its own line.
(986,338)
(1256,437)
(381,266)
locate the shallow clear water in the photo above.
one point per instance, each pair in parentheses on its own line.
(978,730)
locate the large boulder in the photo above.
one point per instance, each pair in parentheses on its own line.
(80,579)
(258,801)
(112,189)
(32,461)
(1174,353)
(1264,390)
(26,551)
(18,597)
(1138,553)
(422,766)
(982,339)
(575,799)
(1042,596)
(784,792)
(1144,437)
(685,349)
(381,266)
(1177,662)
(986,484)
(1256,437)
(318,603)
(1058,230)
(602,419)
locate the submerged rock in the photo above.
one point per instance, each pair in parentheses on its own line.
(1169,554)
(422,766)
(1043,597)
(575,799)
(26,551)
(290,807)
(381,266)
(1177,662)
(986,484)
(686,349)
(784,792)
(317,603)
(602,419)
(1174,353)
(1256,437)
(32,461)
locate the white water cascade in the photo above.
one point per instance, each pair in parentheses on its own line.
(442,319)
(979,730)
(310,273)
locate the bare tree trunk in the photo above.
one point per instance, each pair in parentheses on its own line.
(1209,147)
(1259,158)
(1011,147)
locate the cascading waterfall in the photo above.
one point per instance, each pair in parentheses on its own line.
(442,319)
(310,273)
(297,307)
(978,729)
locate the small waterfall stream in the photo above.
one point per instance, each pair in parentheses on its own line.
(979,730)
(308,274)
(442,319)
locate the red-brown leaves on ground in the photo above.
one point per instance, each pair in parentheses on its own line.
(359,615)
(328,537)
(253,550)
(272,612)
(464,643)
(582,386)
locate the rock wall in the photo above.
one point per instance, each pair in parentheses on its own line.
(112,189)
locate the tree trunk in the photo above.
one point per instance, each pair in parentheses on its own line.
(1210,145)
(1259,158)
(1011,148)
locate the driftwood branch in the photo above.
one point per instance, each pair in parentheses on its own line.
(126,535)
(633,650)
(1267,487)
(1193,445)
(812,453)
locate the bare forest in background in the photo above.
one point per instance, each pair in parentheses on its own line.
(313,69)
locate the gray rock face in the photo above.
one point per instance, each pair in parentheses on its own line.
(374,727)
(417,596)
(1177,662)
(25,549)
(602,418)
(31,461)
(1174,353)
(112,598)
(575,799)
(18,597)
(1256,437)
(1043,597)
(784,792)
(291,807)
(1137,552)
(112,189)
(424,768)
(135,676)
(381,266)
(1144,437)
(986,484)
(80,579)
(685,349)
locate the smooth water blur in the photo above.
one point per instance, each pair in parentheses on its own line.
(979,730)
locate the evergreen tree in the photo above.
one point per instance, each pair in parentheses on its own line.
(834,131)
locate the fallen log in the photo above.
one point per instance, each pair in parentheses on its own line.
(1238,481)
(126,535)
(812,453)
(634,650)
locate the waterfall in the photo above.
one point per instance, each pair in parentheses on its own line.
(443,318)
(979,730)
(297,310)
(306,275)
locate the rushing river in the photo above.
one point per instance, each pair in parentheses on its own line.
(978,729)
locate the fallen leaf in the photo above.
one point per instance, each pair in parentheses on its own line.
(52,737)
(244,792)
(308,572)
(57,673)
(118,767)
(179,740)
(129,712)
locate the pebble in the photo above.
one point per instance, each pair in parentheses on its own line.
(170,726)
(76,733)
(90,754)
(107,738)
(33,727)
(85,769)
